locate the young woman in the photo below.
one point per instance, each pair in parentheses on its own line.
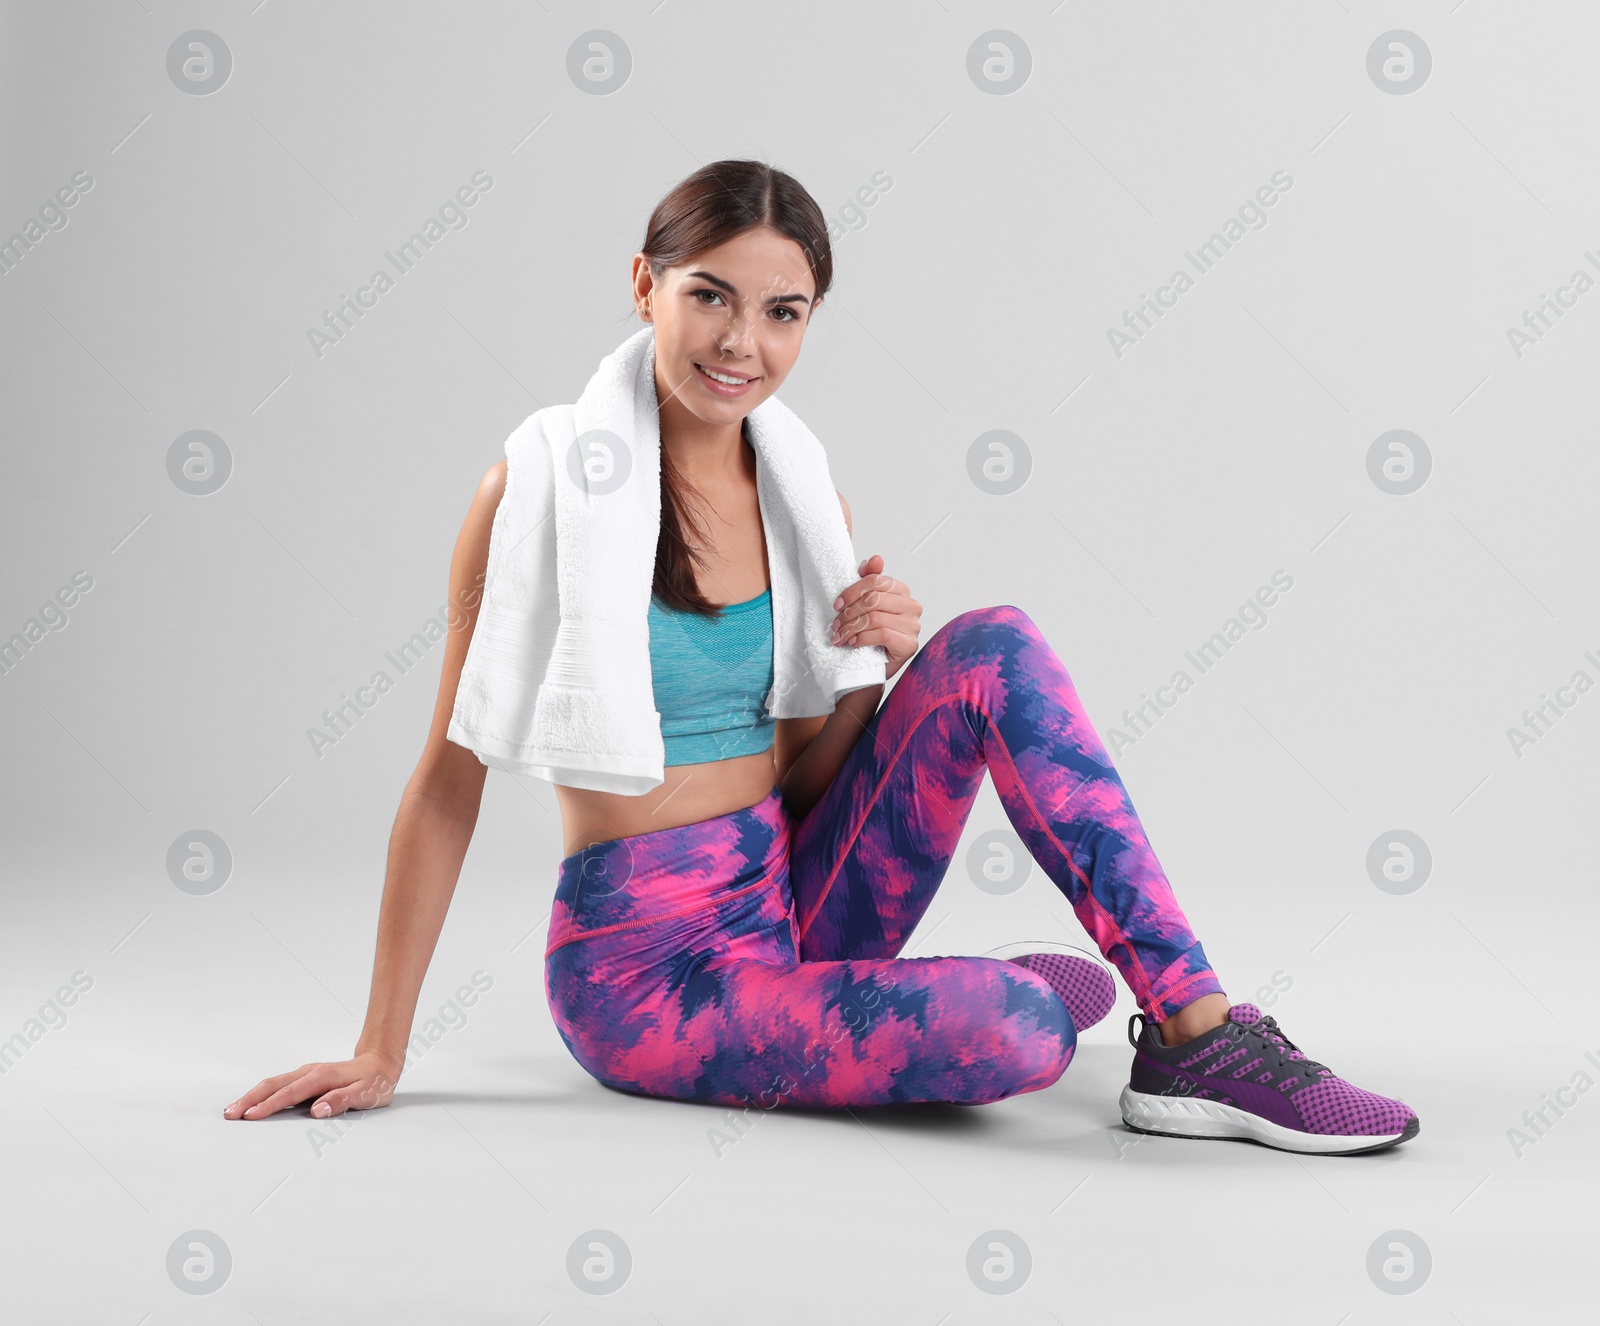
(731,936)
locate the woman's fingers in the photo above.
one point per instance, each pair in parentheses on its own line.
(855,630)
(316,1079)
(876,608)
(877,580)
(880,593)
(869,580)
(262,1090)
(291,1093)
(366,1095)
(848,628)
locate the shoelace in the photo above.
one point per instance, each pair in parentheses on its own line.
(1269,1030)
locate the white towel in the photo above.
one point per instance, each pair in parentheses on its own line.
(556,681)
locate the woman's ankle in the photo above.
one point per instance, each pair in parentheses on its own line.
(1195,1019)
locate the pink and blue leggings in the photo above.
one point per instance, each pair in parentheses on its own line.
(750,959)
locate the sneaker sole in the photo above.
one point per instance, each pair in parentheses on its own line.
(1177,1116)
(1082,980)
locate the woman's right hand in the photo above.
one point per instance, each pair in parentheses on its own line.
(363,1083)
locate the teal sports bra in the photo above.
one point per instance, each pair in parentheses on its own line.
(711,677)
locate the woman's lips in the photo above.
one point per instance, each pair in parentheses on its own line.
(723,388)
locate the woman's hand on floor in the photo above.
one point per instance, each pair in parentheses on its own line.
(363,1083)
(879,610)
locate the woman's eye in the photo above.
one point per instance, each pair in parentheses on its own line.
(714,294)
(791,314)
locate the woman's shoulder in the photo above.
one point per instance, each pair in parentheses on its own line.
(492,487)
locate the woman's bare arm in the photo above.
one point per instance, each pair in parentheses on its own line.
(813,751)
(432,829)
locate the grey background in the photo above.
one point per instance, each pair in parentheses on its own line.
(1165,486)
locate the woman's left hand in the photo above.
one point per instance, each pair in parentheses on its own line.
(878,610)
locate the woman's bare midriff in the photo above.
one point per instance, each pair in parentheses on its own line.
(688,794)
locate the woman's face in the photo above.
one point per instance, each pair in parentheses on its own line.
(739,310)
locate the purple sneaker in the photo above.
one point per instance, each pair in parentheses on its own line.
(1081,979)
(1247,1080)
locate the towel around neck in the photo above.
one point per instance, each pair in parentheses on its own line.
(556,682)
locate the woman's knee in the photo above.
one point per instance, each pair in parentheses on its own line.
(998,622)
(1046,1049)
(1033,1039)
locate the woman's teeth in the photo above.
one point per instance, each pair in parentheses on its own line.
(721,377)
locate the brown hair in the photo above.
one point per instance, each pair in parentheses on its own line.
(717,203)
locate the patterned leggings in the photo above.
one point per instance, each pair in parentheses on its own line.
(750,959)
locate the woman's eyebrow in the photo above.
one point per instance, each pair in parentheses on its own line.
(725,285)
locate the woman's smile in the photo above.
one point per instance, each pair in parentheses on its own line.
(724,382)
